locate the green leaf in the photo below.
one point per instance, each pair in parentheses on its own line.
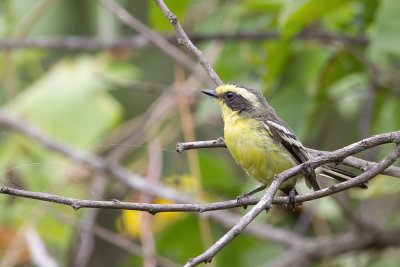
(325,208)
(69,103)
(294,87)
(379,186)
(384,35)
(215,175)
(385,117)
(264,6)
(339,65)
(278,54)
(299,13)
(176,236)
(349,93)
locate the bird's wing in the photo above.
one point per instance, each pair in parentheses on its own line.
(283,135)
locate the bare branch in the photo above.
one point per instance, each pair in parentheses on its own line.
(84,241)
(93,162)
(183,40)
(88,43)
(220,142)
(113,238)
(266,201)
(328,247)
(38,251)
(319,248)
(292,257)
(358,163)
(75,43)
(96,163)
(261,231)
(354,162)
(156,39)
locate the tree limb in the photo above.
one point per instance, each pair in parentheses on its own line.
(184,40)
(93,162)
(96,163)
(350,161)
(135,181)
(266,201)
(89,43)
(156,39)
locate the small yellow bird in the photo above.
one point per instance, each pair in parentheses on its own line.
(261,142)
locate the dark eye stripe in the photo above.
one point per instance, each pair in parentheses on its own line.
(236,102)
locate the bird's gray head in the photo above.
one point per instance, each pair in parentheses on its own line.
(240,100)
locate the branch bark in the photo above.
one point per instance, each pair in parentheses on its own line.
(81,43)
(93,162)
(362,165)
(184,40)
(99,165)
(156,39)
(137,182)
(266,201)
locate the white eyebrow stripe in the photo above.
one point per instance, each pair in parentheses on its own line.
(247,95)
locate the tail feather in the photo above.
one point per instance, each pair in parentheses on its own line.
(339,174)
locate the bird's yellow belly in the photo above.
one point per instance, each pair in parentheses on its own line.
(256,151)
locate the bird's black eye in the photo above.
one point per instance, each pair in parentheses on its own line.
(229,95)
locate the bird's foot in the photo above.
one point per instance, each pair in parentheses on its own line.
(292,198)
(240,198)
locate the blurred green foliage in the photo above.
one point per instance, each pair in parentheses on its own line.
(331,92)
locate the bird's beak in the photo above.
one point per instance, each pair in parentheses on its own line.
(209,92)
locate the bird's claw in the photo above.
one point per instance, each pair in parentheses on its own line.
(292,200)
(240,198)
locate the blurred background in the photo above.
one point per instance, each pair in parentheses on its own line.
(80,76)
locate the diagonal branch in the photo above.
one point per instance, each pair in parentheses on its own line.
(266,201)
(156,39)
(93,162)
(354,162)
(99,165)
(183,40)
(361,164)
(135,181)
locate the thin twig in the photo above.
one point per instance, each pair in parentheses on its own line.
(153,175)
(93,162)
(37,249)
(75,43)
(89,43)
(183,40)
(292,257)
(155,38)
(350,161)
(113,238)
(334,156)
(261,231)
(361,164)
(148,87)
(220,142)
(84,243)
(266,201)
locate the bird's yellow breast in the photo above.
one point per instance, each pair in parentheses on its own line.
(254,149)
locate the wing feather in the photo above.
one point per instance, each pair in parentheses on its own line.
(284,135)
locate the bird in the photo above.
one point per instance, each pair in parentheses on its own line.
(261,142)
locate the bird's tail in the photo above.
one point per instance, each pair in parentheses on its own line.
(338,174)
